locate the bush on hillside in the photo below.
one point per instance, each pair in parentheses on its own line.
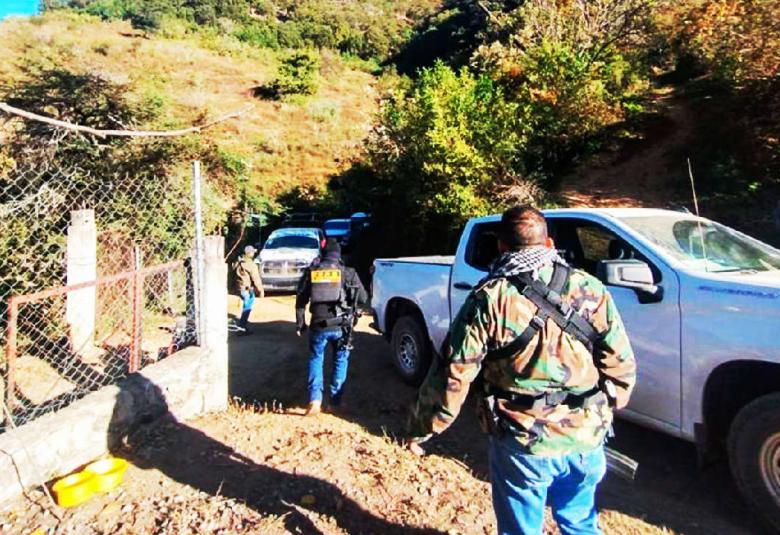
(732,48)
(549,78)
(737,40)
(297,74)
(575,71)
(444,147)
(368,29)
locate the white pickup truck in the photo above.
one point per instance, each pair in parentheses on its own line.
(700,301)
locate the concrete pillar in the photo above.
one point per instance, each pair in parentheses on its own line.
(82,267)
(214,334)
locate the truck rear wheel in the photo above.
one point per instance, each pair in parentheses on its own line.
(754,456)
(411,354)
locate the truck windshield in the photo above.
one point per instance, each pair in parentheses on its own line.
(705,245)
(292,241)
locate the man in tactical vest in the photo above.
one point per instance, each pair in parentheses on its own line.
(249,284)
(553,362)
(334,291)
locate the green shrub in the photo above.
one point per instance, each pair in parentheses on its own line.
(575,69)
(143,19)
(262,35)
(297,74)
(444,147)
(108,9)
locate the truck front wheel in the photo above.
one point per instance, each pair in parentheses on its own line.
(411,354)
(754,455)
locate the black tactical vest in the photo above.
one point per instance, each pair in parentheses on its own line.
(326,284)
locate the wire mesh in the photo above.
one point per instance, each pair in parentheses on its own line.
(58,352)
(141,220)
(155,216)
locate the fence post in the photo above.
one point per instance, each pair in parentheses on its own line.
(10,356)
(134,363)
(215,333)
(199,253)
(82,267)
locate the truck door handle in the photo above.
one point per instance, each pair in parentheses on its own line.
(462,286)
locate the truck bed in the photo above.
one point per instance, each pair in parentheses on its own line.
(435,259)
(422,281)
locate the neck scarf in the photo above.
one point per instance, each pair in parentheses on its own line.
(529,260)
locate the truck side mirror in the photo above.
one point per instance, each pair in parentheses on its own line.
(634,274)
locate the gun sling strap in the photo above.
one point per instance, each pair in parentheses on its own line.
(550,305)
(584,400)
(547,299)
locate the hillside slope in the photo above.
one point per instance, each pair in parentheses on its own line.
(195,77)
(648,171)
(734,180)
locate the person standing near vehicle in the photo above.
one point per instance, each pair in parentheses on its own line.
(553,361)
(249,284)
(333,291)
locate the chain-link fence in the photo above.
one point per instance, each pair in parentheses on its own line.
(154,217)
(140,222)
(65,342)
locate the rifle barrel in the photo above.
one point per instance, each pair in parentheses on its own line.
(621,465)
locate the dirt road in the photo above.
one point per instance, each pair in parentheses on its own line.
(261,467)
(670,492)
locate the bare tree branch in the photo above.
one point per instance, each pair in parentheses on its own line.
(116,133)
(492,16)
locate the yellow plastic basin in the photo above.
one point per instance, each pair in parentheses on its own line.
(106,474)
(74,489)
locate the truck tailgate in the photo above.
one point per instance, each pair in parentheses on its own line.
(422,281)
(438,260)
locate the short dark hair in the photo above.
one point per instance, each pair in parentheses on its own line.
(523,226)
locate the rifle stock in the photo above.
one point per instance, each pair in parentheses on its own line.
(351,317)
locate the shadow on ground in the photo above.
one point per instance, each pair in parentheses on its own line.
(270,367)
(191,457)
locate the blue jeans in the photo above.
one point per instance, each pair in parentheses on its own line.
(523,483)
(247,300)
(318,343)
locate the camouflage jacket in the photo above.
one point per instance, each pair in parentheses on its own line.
(494,315)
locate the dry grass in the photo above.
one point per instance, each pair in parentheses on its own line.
(319,475)
(280,143)
(260,467)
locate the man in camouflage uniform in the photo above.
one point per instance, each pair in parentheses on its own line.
(547,407)
(249,284)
